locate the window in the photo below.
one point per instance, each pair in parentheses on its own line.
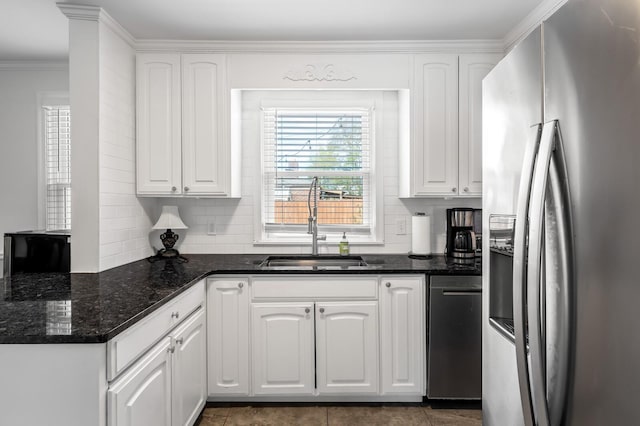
(336,146)
(57,164)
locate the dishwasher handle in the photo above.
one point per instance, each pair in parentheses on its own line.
(462,292)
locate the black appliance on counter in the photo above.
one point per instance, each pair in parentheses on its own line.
(37,251)
(464,233)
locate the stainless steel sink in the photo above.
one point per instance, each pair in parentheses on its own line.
(315,262)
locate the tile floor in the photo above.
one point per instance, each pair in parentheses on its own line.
(340,415)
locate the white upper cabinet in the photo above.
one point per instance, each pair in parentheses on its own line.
(473,68)
(158,112)
(183,146)
(442,156)
(435,125)
(204,153)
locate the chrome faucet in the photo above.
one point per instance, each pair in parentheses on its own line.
(313,217)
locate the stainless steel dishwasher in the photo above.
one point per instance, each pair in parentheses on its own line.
(455,338)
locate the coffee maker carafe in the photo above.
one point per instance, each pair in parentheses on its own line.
(461,238)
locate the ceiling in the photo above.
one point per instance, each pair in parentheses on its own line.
(37,30)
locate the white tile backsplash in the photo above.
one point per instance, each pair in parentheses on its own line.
(124,221)
(234,218)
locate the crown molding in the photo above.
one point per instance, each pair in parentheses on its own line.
(530,22)
(32,65)
(320,47)
(80,11)
(97,14)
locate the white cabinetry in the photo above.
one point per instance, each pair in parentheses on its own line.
(317,337)
(228,336)
(473,68)
(189,369)
(143,395)
(283,348)
(444,155)
(166,384)
(434,159)
(158,113)
(182,148)
(402,334)
(347,347)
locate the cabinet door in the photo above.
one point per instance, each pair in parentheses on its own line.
(473,68)
(189,370)
(204,153)
(282,343)
(347,347)
(403,335)
(158,150)
(435,125)
(228,336)
(142,396)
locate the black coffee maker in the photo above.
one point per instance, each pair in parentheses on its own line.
(462,225)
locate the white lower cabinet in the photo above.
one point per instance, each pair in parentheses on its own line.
(228,336)
(402,334)
(347,347)
(317,336)
(282,348)
(143,395)
(166,386)
(189,370)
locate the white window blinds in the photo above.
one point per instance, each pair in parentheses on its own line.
(334,145)
(57,131)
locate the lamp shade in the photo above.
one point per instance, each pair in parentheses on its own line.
(170,219)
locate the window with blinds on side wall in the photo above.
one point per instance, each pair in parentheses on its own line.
(57,158)
(334,145)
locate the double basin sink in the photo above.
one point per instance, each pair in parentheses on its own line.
(313,262)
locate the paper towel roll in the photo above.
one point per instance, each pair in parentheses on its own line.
(420,234)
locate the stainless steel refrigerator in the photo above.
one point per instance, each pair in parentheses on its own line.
(561,210)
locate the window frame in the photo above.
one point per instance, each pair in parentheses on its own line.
(343,100)
(44,99)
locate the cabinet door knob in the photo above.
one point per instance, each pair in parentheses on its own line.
(186,188)
(466,189)
(307,310)
(173,189)
(240,285)
(171,349)
(453,189)
(322,310)
(175,315)
(388,284)
(180,340)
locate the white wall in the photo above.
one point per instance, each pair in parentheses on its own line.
(109,224)
(124,222)
(234,219)
(19,88)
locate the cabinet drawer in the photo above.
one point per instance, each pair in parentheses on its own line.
(126,347)
(317,287)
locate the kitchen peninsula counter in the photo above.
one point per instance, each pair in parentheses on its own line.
(93,308)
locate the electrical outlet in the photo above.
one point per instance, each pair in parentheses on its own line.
(401,226)
(211,227)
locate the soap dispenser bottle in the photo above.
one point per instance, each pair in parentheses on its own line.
(344,245)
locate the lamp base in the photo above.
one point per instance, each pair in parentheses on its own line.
(168,254)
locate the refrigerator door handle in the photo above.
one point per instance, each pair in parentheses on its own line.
(549,175)
(519,273)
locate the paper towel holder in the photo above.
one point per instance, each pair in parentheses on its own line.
(421,256)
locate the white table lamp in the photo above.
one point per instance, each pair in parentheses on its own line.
(169,219)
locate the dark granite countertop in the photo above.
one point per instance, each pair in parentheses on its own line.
(93,308)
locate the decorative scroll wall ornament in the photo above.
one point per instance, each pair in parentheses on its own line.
(319,72)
